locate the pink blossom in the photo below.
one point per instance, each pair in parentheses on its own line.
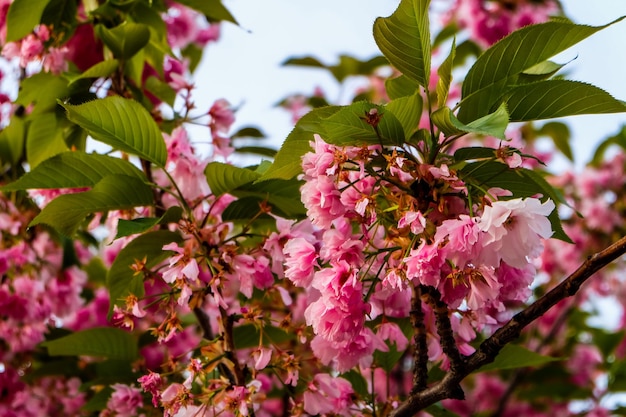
(514,230)
(413,219)
(125,400)
(322,200)
(423,265)
(261,357)
(152,383)
(584,364)
(300,260)
(391,332)
(222,116)
(208,34)
(181,266)
(328,395)
(30,49)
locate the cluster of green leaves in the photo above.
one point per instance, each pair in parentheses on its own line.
(512,81)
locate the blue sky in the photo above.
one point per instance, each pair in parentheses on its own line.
(244,66)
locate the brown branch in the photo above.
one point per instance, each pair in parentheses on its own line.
(229,347)
(204,322)
(489,349)
(420,355)
(444,329)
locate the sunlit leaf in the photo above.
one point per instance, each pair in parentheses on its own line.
(400,87)
(494,71)
(73,170)
(224,178)
(108,342)
(408,111)
(559,98)
(493,124)
(100,70)
(445,77)
(404,39)
(122,123)
(288,161)
(113,192)
(350,126)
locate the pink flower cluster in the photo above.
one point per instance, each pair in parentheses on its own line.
(377,242)
(490,21)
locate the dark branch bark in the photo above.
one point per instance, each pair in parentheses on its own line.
(489,349)
(420,355)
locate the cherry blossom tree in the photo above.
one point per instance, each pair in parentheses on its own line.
(410,253)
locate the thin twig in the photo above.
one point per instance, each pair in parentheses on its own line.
(489,349)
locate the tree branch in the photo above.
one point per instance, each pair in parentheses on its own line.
(420,355)
(489,349)
(444,329)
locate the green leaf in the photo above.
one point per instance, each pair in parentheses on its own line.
(224,178)
(288,161)
(141,225)
(401,86)
(107,342)
(99,400)
(560,134)
(438,411)
(493,124)
(358,382)
(408,111)
(22,17)
(559,98)
(161,90)
(100,70)
(347,66)
(214,10)
(61,15)
(539,72)
(248,336)
(243,209)
(404,39)
(618,139)
(42,89)
(516,356)
(44,139)
(122,123)
(474,153)
(257,150)
(124,40)
(248,132)
(498,68)
(12,140)
(349,127)
(445,77)
(73,170)
(121,280)
(283,196)
(113,192)
(617,376)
